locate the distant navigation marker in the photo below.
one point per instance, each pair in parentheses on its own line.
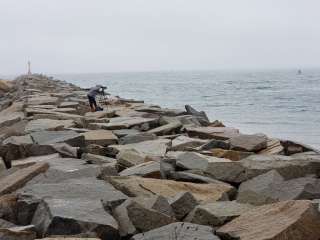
(29,68)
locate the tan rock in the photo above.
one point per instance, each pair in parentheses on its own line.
(5,85)
(220,133)
(292,220)
(147,187)
(16,233)
(273,147)
(100,137)
(230,154)
(48,124)
(19,178)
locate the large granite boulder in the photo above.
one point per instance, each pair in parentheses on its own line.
(179,231)
(19,178)
(202,116)
(183,143)
(100,137)
(51,137)
(219,133)
(167,129)
(182,203)
(294,220)
(137,186)
(217,213)
(138,137)
(149,169)
(248,143)
(153,148)
(8,119)
(271,187)
(48,124)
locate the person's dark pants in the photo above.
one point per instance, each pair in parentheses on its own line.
(92,103)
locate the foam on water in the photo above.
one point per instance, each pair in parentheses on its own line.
(279,103)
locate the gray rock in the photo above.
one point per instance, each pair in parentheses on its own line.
(170,128)
(10,119)
(107,170)
(270,188)
(96,159)
(51,137)
(74,216)
(214,144)
(249,143)
(218,133)
(129,158)
(183,143)
(149,169)
(202,116)
(125,132)
(182,204)
(217,213)
(136,138)
(179,231)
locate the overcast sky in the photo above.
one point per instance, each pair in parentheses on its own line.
(83,36)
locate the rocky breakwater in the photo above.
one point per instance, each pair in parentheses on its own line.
(138,171)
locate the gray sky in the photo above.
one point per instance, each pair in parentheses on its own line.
(77,36)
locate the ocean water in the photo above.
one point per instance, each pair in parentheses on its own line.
(281,104)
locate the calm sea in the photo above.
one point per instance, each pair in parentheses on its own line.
(282,104)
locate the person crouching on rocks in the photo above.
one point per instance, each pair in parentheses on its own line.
(93,92)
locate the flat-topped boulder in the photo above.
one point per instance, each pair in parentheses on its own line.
(19,178)
(183,143)
(51,137)
(8,119)
(136,186)
(72,217)
(48,124)
(40,100)
(220,133)
(96,159)
(100,114)
(151,148)
(294,220)
(170,128)
(271,187)
(180,231)
(149,169)
(130,157)
(248,143)
(100,137)
(217,213)
(127,122)
(68,105)
(137,137)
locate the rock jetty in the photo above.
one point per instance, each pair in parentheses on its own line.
(142,172)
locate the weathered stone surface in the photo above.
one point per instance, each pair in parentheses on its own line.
(5,86)
(71,217)
(40,100)
(100,137)
(96,159)
(127,122)
(66,110)
(180,231)
(248,143)
(195,176)
(48,124)
(8,207)
(160,111)
(96,149)
(202,116)
(193,160)
(136,186)
(151,148)
(107,170)
(217,213)
(129,158)
(149,169)
(294,220)
(212,144)
(125,132)
(19,178)
(230,154)
(167,129)
(219,133)
(271,187)
(51,137)
(16,233)
(183,143)
(8,119)
(101,114)
(136,138)
(69,105)
(182,204)
(273,147)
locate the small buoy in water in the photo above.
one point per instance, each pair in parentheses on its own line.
(299,72)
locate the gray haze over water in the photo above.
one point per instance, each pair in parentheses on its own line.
(279,103)
(81,36)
